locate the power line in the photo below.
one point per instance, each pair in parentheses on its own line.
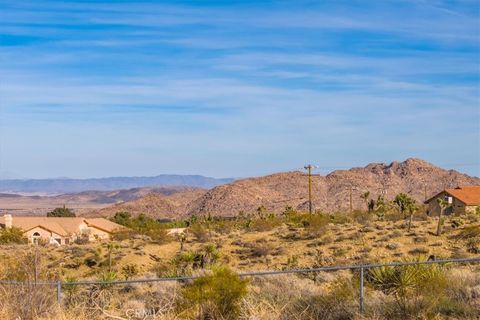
(309,168)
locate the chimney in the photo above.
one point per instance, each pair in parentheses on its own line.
(8,221)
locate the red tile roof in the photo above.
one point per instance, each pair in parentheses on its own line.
(470,195)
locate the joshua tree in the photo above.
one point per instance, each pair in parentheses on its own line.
(381,207)
(412,208)
(365,196)
(403,201)
(111,247)
(443,203)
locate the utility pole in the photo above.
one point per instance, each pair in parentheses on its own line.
(351,196)
(309,168)
(351,200)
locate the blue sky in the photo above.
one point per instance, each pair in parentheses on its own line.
(236,88)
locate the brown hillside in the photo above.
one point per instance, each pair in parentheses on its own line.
(155,204)
(331,192)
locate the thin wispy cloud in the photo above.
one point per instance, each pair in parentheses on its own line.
(139,88)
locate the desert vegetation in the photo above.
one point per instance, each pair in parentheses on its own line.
(216,249)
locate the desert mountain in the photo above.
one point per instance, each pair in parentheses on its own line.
(331,192)
(156,204)
(416,177)
(65,185)
(82,202)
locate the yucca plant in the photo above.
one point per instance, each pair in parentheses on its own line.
(412,286)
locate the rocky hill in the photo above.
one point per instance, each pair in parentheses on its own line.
(332,192)
(155,204)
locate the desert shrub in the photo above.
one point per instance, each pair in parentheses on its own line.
(107,276)
(419,251)
(337,304)
(317,223)
(209,255)
(200,232)
(362,217)
(159,236)
(292,262)
(261,250)
(473,245)
(340,218)
(12,235)
(83,239)
(184,263)
(61,212)
(27,301)
(123,218)
(265,224)
(393,216)
(143,225)
(421,215)
(70,291)
(129,271)
(416,288)
(162,269)
(223,226)
(124,234)
(470,232)
(214,296)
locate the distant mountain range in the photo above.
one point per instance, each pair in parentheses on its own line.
(331,193)
(66,185)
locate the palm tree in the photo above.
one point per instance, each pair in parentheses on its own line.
(443,203)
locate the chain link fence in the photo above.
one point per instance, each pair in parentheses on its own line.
(108,297)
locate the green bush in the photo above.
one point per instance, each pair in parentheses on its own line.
(473,245)
(143,225)
(317,223)
(12,235)
(123,235)
(416,288)
(265,224)
(216,295)
(61,212)
(159,236)
(129,271)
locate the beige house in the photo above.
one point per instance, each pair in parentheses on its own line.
(464,199)
(61,231)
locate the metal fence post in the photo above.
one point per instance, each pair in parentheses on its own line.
(59,293)
(362,299)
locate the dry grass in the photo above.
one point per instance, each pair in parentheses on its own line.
(280,246)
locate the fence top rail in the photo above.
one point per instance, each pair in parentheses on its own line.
(254,273)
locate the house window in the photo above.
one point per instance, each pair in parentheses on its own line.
(35,237)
